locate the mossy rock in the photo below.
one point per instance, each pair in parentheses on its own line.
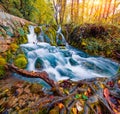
(20,61)
(37,30)
(20,56)
(25,28)
(2,67)
(14,47)
(22,39)
(21,31)
(2,61)
(9,55)
(9,33)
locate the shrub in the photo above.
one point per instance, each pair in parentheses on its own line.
(21,61)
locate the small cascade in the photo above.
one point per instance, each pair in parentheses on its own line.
(60,39)
(67,63)
(32,37)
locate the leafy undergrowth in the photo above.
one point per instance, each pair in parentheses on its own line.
(97,40)
(92,96)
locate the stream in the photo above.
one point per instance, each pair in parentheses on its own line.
(63,63)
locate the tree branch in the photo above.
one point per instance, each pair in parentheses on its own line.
(43,75)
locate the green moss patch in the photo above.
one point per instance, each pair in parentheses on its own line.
(20,61)
(2,67)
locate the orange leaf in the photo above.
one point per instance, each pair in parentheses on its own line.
(106,93)
(74,110)
(60,105)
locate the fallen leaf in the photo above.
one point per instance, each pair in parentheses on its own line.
(106,93)
(84,97)
(74,110)
(77,96)
(79,106)
(60,105)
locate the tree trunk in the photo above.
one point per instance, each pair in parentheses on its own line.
(100,11)
(72,9)
(83,10)
(108,10)
(114,7)
(62,11)
(77,12)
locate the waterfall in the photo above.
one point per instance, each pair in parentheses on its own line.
(32,37)
(60,39)
(67,63)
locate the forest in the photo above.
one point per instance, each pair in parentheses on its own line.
(59,56)
(65,11)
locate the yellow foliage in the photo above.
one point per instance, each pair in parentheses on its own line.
(2,61)
(14,47)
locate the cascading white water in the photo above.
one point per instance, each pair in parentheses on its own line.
(68,63)
(59,34)
(32,37)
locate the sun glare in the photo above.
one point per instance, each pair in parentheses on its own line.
(97,2)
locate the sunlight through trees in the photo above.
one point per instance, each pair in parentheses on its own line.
(65,11)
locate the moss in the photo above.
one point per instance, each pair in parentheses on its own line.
(9,55)
(50,32)
(37,30)
(14,47)
(22,39)
(21,31)
(36,88)
(2,67)
(21,61)
(25,28)
(20,56)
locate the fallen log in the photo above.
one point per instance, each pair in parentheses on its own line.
(31,74)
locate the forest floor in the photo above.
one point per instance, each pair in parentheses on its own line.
(96,96)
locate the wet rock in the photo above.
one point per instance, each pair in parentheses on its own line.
(39,63)
(73,62)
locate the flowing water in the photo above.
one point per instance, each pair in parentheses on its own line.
(67,63)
